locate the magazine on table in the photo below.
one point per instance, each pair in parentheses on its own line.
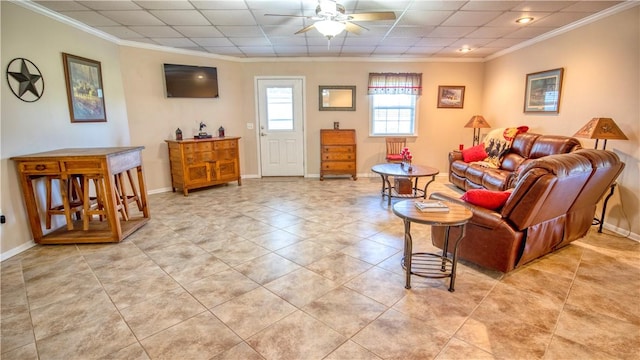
(431,206)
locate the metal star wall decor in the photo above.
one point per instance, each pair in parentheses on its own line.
(25,80)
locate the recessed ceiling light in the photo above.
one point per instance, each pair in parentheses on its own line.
(524,20)
(464,49)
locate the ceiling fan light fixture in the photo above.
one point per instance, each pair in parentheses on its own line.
(329,28)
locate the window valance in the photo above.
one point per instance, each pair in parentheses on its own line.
(395,83)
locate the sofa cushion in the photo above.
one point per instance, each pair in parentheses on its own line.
(487,199)
(475,153)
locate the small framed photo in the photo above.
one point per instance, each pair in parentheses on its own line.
(451,97)
(542,91)
(84,89)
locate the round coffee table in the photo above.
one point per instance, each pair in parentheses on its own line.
(397,170)
(431,265)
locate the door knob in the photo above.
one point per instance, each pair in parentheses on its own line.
(263,134)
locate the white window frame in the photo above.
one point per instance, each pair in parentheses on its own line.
(414,121)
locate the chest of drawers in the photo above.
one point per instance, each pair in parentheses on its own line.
(197,163)
(338,152)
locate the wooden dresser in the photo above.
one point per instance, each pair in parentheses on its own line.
(338,152)
(197,163)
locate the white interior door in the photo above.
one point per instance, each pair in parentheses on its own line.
(280,126)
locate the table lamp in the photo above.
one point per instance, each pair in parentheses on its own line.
(477,122)
(601,128)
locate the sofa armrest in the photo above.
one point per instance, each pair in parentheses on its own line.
(455,155)
(481,217)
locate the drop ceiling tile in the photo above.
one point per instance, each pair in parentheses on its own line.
(503,43)
(396,41)
(207,42)
(224,50)
(417,31)
(391,50)
(198,31)
(591,6)
(440,42)
(257,50)
(165,5)
(132,18)
(470,43)
(545,6)
(249,41)
(145,41)
(110,5)
(156,31)
(424,50)
(175,42)
(284,31)
(471,18)
(120,32)
(373,6)
(424,18)
(452,31)
(559,19)
(508,19)
(180,17)
(489,5)
(262,17)
(282,4)
(63,5)
(290,50)
(492,32)
(219,5)
(437,5)
(358,49)
(318,51)
(229,17)
(528,32)
(90,18)
(240,31)
(284,41)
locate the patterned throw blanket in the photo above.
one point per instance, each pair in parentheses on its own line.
(498,143)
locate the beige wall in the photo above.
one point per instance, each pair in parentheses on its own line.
(599,68)
(44,125)
(601,64)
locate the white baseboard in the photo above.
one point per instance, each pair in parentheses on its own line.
(17,250)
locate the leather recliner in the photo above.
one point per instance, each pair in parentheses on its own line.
(552,204)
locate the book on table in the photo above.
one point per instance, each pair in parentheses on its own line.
(431,206)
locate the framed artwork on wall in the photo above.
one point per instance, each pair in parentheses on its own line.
(336,98)
(84,89)
(542,91)
(451,97)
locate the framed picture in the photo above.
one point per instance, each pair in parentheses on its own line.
(542,91)
(336,98)
(84,89)
(451,97)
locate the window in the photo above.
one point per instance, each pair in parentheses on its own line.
(393,114)
(393,103)
(280,108)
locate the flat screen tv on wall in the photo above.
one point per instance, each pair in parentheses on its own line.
(186,81)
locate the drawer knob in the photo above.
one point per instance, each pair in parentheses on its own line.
(40,167)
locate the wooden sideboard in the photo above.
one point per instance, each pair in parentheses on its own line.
(101,164)
(338,152)
(197,163)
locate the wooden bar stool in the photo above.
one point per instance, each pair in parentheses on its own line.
(72,199)
(91,208)
(126,198)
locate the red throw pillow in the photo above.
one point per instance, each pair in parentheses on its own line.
(488,199)
(475,153)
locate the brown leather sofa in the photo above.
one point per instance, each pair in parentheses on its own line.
(552,204)
(525,147)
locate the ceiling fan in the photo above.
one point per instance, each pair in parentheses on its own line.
(331,19)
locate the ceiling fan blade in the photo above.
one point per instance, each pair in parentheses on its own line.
(354,28)
(303,30)
(372,16)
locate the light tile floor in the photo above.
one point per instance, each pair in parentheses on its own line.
(305,269)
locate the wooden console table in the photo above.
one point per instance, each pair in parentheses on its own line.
(99,163)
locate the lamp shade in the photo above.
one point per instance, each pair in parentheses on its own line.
(477,121)
(601,128)
(329,28)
